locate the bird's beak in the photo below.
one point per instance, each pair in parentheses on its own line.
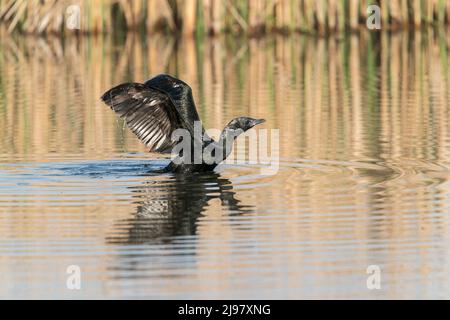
(257,121)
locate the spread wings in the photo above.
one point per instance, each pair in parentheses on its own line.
(148,112)
(180,93)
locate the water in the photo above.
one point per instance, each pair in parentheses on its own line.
(363,177)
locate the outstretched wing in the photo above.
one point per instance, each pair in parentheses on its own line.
(148,112)
(180,93)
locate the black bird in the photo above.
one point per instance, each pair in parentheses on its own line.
(155,109)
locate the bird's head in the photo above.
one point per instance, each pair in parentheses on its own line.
(233,129)
(243,123)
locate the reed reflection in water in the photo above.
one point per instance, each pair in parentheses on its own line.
(364,146)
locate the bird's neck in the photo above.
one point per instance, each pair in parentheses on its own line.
(226,141)
(213,152)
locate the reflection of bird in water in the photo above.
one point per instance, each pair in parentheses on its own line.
(157,108)
(171,208)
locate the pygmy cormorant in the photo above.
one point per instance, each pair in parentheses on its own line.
(155,109)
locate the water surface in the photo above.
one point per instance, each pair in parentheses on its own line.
(363,178)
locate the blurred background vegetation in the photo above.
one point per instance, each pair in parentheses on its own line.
(189,17)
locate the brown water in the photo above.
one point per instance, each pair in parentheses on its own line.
(364,127)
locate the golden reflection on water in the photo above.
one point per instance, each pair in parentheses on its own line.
(363,179)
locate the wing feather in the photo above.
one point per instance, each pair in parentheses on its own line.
(179,92)
(148,112)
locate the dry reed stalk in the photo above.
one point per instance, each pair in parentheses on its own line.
(257,14)
(385,11)
(206,9)
(405,13)
(320,15)
(235,16)
(332,10)
(279,14)
(190,15)
(395,12)
(353,12)
(417,13)
(216,16)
